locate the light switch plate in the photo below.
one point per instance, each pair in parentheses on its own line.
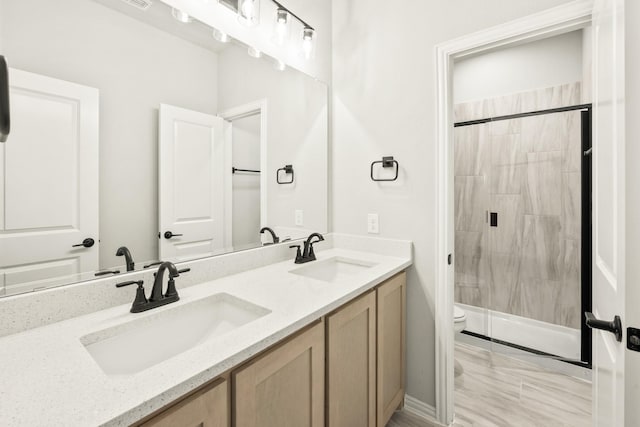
(299,217)
(373,225)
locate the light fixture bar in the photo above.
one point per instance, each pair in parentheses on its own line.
(293,14)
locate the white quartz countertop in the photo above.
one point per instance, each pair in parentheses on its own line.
(47,377)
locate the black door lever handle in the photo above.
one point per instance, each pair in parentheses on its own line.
(168,235)
(615,326)
(87,243)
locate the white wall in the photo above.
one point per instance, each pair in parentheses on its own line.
(384,104)
(632,282)
(246,186)
(587,64)
(296,134)
(316,13)
(136,67)
(544,63)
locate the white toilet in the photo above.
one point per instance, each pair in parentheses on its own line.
(459,325)
(459,319)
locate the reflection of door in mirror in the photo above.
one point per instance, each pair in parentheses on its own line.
(245,158)
(193,185)
(48,183)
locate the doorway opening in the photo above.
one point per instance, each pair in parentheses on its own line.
(529,30)
(521,147)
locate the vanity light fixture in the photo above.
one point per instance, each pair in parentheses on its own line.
(308,42)
(281,28)
(181,16)
(249,12)
(253,52)
(221,36)
(308,32)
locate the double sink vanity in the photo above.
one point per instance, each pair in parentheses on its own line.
(279,344)
(221,144)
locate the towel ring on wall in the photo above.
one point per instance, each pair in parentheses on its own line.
(387,162)
(288,169)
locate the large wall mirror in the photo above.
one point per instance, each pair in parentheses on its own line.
(133,129)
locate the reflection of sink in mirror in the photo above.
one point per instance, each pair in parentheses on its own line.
(137,345)
(333,269)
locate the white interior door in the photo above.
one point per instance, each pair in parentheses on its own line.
(48,182)
(608,209)
(194,176)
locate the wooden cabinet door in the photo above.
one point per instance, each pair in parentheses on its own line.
(391,346)
(206,408)
(351,364)
(285,386)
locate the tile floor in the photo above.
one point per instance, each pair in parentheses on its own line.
(494,390)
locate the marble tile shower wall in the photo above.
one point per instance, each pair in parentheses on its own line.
(528,170)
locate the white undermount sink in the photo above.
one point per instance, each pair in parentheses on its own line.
(141,343)
(333,269)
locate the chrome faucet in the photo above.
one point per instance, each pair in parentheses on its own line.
(157,298)
(307,253)
(124,251)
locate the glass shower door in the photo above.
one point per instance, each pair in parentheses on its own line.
(535,236)
(471,184)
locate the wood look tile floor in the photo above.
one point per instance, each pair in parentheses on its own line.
(499,391)
(405,419)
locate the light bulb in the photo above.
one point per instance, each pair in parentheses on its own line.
(222,37)
(281,30)
(181,16)
(249,12)
(308,36)
(253,52)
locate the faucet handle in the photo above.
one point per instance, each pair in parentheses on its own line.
(298,253)
(130,282)
(141,299)
(184,270)
(153,264)
(106,272)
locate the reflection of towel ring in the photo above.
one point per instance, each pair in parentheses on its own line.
(387,162)
(288,169)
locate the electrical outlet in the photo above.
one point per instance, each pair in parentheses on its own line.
(373,225)
(299,218)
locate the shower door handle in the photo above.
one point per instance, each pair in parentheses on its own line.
(615,326)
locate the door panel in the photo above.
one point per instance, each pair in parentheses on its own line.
(206,408)
(54,145)
(390,375)
(608,208)
(193,176)
(285,386)
(351,364)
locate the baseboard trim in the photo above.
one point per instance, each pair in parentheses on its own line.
(420,409)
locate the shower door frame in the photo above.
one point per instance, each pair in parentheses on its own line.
(559,20)
(585,110)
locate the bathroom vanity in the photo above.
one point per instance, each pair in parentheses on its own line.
(282,342)
(358,348)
